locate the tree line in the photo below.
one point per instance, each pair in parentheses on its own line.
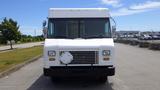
(9,32)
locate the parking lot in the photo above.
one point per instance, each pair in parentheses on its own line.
(136,69)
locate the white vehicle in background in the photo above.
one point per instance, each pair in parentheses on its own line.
(79,43)
(145,37)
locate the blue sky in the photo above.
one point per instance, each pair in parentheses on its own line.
(143,15)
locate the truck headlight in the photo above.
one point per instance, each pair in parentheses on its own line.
(106,52)
(51,53)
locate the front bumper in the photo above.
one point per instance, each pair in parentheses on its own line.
(71,71)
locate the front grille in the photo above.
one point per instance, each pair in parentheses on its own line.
(84,57)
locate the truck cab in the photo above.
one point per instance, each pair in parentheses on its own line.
(79,43)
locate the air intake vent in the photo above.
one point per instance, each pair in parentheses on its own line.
(84,57)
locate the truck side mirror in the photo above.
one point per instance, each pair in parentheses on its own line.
(44,23)
(45,32)
(44,28)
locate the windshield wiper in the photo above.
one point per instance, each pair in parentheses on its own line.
(60,36)
(63,37)
(97,36)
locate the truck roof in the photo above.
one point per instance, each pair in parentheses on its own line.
(78,13)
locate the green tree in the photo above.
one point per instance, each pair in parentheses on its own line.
(10,30)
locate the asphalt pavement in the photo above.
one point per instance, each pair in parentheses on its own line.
(136,69)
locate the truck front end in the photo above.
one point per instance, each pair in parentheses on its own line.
(79,43)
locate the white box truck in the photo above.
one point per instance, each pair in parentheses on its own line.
(79,43)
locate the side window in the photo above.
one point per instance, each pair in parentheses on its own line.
(50,30)
(107,30)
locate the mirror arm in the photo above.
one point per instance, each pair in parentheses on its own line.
(114,21)
(113,27)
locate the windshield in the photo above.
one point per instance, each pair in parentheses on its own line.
(79,28)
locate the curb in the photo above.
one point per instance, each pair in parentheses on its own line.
(18,66)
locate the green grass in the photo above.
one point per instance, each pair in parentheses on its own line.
(11,58)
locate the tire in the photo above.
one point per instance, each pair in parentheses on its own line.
(55,79)
(103,79)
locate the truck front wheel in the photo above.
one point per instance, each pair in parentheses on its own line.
(103,79)
(55,79)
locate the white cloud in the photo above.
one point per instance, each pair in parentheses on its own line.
(125,11)
(136,8)
(114,3)
(146,5)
